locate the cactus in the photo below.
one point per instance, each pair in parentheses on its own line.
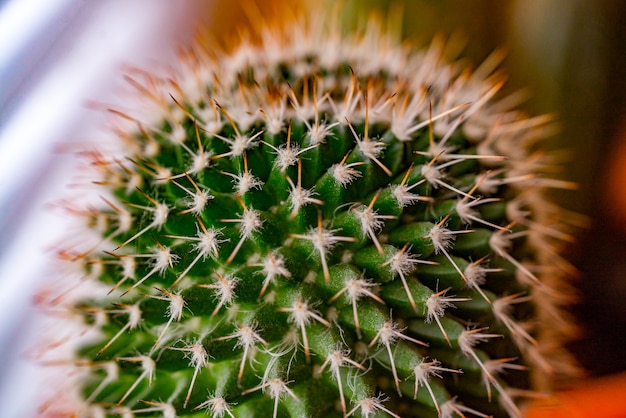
(320,224)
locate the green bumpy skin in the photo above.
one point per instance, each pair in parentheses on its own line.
(320,225)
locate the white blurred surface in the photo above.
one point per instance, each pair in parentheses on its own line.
(55,57)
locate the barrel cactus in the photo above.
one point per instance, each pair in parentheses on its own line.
(318,224)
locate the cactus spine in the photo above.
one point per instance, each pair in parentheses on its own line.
(319,225)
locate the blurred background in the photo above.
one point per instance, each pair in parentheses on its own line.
(58,57)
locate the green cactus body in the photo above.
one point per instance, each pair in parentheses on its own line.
(320,225)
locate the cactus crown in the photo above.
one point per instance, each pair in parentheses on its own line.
(319,225)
